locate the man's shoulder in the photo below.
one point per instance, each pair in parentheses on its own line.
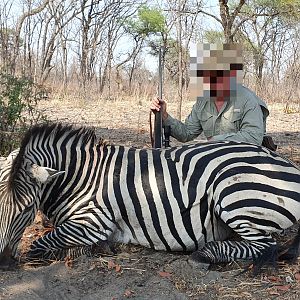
(247,96)
(246,93)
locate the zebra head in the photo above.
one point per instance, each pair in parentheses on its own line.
(20,192)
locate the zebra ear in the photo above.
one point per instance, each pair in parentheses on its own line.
(12,155)
(44,174)
(9,159)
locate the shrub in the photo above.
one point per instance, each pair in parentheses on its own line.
(19,98)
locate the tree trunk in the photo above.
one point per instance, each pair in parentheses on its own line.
(228,19)
(18,32)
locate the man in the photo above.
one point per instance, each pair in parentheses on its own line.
(225,109)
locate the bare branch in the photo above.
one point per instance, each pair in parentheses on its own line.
(19,27)
(198,11)
(237,10)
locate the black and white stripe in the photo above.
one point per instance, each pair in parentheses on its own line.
(178,199)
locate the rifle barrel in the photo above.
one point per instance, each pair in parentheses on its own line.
(158,114)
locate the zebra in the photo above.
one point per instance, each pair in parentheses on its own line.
(190,198)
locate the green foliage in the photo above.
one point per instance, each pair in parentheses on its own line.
(213,36)
(18,109)
(170,55)
(285,8)
(148,21)
(275,3)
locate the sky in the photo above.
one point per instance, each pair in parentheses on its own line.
(150,62)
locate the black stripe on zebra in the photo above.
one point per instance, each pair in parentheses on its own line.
(248,202)
(105,197)
(248,186)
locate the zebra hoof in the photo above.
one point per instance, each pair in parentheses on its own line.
(201,257)
(103,247)
(196,265)
(268,257)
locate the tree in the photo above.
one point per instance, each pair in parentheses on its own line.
(7,37)
(21,19)
(185,24)
(228,19)
(147,22)
(266,31)
(213,36)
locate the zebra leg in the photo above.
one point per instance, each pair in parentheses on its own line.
(262,250)
(70,239)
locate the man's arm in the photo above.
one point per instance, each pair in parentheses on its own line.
(186,131)
(251,127)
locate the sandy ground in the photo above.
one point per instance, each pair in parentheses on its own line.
(136,272)
(127,122)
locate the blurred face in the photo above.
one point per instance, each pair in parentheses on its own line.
(215,70)
(217,81)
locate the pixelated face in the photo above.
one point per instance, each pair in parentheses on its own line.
(216,68)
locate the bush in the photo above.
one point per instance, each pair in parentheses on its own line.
(19,98)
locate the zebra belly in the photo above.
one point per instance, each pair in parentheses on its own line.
(165,239)
(157,244)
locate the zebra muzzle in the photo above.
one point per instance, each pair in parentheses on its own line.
(7,262)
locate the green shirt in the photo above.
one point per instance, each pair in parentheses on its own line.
(242,118)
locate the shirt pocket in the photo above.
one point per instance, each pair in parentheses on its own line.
(207,123)
(231,122)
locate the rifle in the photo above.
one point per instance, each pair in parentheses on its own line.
(158,128)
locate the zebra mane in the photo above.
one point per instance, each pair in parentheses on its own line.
(56,129)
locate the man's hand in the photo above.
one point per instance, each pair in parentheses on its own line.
(157,105)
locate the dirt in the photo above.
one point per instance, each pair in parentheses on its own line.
(137,272)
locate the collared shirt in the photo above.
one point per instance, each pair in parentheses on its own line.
(242,118)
